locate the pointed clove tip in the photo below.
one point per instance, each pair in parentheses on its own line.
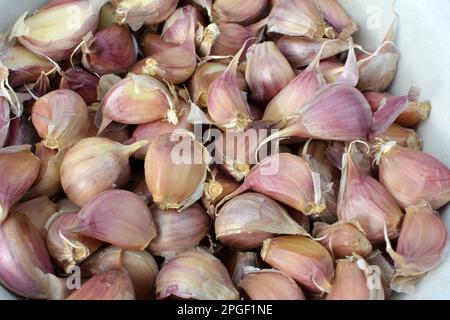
(105,123)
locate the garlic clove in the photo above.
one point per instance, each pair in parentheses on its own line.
(195,274)
(267,72)
(38,210)
(227,104)
(117,217)
(296,18)
(94,165)
(343,238)
(25,266)
(19,168)
(420,248)
(338,18)
(68,249)
(233,11)
(269,284)
(137,13)
(176,169)
(82,82)
(237,262)
(365,200)
(248,219)
(178,231)
(177,27)
(4,121)
(138,99)
(60,118)
(301,51)
(22,131)
(111,285)
(217,187)
(140,265)
(412,176)
(112,50)
(386,115)
(404,137)
(352,281)
(24,66)
(107,15)
(152,130)
(152,43)
(301,258)
(285,178)
(50,31)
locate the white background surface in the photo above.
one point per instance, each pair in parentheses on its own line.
(424,43)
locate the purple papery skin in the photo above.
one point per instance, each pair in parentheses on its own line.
(4,121)
(337,113)
(386,115)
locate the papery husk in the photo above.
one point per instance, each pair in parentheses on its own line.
(6,91)
(70,22)
(365,200)
(331,69)
(412,176)
(285,178)
(270,284)
(19,168)
(140,265)
(111,285)
(82,82)
(94,165)
(404,137)
(338,18)
(195,274)
(301,258)
(176,169)
(421,247)
(387,271)
(343,238)
(301,51)
(4,121)
(235,11)
(25,266)
(137,13)
(68,249)
(117,217)
(356,280)
(38,210)
(248,219)
(267,72)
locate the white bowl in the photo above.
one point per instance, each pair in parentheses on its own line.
(422,40)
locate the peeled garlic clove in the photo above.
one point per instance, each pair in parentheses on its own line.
(176,169)
(204,76)
(4,121)
(67,248)
(338,18)
(301,51)
(412,176)
(365,200)
(269,284)
(82,82)
(94,165)
(138,99)
(22,131)
(178,231)
(140,265)
(234,11)
(19,168)
(25,267)
(112,50)
(404,137)
(301,258)
(24,66)
(117,217)
(352,283)
(60,118)
(70,22)
(136,13)
(296,18)
(38,210)
(111,285)
(285,178)
(420,247)
(176,29)
(248,219)
(217,187)
(195,274)
(227,104)
(237,262)
(152,130)
(343,238)
(267,72)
